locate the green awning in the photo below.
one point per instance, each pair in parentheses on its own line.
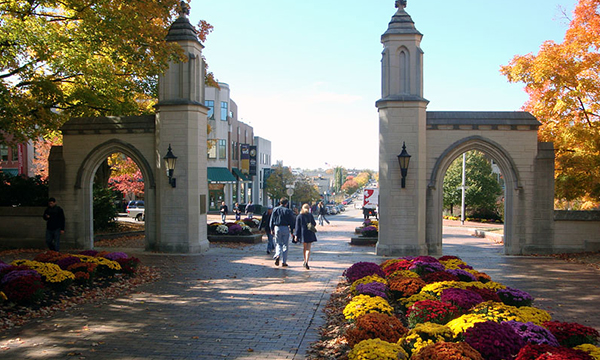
(219,175)
(240,175)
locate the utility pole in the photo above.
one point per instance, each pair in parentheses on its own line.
(463,188)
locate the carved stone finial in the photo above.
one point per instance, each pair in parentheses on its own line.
(401,4)
(185,9)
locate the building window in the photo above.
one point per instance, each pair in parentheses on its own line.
(222,149)
(212,149)
(3,152)
(15,153)
(224,111)
(211,108)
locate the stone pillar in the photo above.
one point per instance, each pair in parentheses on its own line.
(181,123)
(402,120)
(542,241)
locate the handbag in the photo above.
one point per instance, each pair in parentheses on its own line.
(311,227)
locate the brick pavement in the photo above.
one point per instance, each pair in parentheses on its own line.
(233,303)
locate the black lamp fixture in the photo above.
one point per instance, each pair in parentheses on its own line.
(403,160)
(170,161)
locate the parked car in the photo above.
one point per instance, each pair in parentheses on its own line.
(332,210)
(135,209)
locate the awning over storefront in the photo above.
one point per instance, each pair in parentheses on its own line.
(219,175)
(240,175)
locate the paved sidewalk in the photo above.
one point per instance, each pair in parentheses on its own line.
(233,303)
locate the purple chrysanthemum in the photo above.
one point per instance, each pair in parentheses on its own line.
(116,255)
(424,267)
(361,269)
(515,297)
(533,333)
(15,274)
(462,275)
(373,288)
(464,299)
(495,341)
(64,263)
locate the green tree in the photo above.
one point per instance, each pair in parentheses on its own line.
(483,188)
(61,59)
(305,191)
(563,84)
(276,183)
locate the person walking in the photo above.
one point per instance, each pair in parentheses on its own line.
(250,209)
(282,225)
(55,224)
(265,224)
(236,211)
(305,232)
(224,210)
(322,213)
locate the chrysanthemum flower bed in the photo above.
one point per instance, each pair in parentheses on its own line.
(55,281)
(442,309)
(241,227)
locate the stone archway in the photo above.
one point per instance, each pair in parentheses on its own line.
(85,178)
(435,189)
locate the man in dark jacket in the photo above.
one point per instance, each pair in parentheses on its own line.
(55,224)
(265,224)
(282,225)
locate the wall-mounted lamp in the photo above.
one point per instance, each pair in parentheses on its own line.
(170,161)
(403,160)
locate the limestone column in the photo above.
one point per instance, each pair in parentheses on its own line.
(402,120)
(181,124)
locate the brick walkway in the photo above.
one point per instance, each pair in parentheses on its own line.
(233,303)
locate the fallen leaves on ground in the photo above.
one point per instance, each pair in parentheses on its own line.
(591,258)
(333,345)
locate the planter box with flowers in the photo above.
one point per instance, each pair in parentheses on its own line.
(232,232)
(368,233)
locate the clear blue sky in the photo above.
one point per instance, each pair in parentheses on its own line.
(306,74)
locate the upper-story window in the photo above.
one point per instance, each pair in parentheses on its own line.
(15,153)
(3,152)
(224,110)
(211,108)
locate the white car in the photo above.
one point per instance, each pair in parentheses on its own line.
(135,209)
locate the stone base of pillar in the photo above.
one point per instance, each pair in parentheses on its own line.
(398,250)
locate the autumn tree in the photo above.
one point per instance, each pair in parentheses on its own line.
(125,175)
(81,58)
(563,84)
(305,191)
(482,191)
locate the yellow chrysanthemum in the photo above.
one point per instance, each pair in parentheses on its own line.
(453,263)
(365,304)
(592,350)
(51,273)
(100,261)
(425,334)
(497,312)
(409,301)
(460,324)
(376,349)
(534,315)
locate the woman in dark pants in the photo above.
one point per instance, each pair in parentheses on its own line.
(303,234)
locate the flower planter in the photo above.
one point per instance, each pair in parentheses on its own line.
(249,239)
(363,240)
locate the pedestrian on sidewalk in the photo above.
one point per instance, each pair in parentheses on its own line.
(236,211)
(282,225)
(306,227)
(250,209)
(265,224)
(55,224)
(322,212)
(224,210)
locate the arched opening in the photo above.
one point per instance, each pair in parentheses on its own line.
(88,171)
(435,193)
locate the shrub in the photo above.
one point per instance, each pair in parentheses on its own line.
(572,334)
(447,351)
(362,269)
(375,325)
(23,191)
(105,212)
(24,290)
(494,341)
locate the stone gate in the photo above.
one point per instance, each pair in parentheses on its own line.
(411,217)
(175,215)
